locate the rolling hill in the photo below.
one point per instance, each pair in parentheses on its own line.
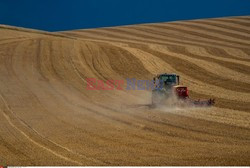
(48,117)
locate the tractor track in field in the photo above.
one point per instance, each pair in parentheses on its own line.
(43,142)
(50,118)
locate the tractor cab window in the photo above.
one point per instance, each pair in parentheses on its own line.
(168,79)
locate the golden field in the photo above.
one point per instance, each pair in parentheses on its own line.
(48,117)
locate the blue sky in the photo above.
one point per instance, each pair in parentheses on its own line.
(56,15)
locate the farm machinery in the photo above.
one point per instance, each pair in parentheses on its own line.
(167,87)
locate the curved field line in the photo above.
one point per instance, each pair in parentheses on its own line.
(8,118)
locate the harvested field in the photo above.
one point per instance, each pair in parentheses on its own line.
(48,117)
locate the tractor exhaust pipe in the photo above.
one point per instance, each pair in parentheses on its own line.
(178,79)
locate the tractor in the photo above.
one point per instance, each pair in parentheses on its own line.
(167,86)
